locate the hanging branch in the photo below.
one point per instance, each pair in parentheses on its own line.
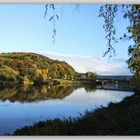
(108,12)
(53,18)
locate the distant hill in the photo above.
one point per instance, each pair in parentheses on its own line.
(31,67)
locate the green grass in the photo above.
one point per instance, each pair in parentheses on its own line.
(117,119)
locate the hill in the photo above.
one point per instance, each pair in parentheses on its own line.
(32,68)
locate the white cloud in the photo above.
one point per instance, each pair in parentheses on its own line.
(101,66)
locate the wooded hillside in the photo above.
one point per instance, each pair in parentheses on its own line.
(31,67)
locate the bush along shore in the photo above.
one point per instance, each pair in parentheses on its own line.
(116,119)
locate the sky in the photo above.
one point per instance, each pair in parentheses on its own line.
(80,38)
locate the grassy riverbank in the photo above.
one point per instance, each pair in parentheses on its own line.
(117,119)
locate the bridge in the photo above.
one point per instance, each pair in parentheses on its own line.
(115,82)
(114,77)
(110,78)
(112,82)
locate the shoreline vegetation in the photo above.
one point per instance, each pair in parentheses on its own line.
(116,119)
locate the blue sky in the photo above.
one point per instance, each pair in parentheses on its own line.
(80,37)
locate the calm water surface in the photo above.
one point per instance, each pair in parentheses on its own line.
(26,105)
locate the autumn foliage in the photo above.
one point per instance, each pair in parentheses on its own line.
(30,67)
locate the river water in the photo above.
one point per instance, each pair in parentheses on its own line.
(22,106)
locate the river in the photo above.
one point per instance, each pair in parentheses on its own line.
(23,106)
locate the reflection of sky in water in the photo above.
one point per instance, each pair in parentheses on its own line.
(16,115)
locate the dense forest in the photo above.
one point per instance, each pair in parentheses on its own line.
(32,68)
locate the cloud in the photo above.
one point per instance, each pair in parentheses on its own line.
(101,66)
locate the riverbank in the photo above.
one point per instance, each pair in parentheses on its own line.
(116,119)
(75,82)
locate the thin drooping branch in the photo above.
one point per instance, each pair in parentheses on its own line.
(108,12)
(53,18)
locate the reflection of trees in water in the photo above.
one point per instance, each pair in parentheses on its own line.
(6,93)
(32,93)
(90,88)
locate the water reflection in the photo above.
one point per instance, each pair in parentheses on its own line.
(34,93)
(21,106)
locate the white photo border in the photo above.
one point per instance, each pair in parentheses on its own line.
(69,2)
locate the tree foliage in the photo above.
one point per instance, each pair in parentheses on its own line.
(53,18)
(132,13)
(134,50)
(30,67)
(108,12)
(91,74)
